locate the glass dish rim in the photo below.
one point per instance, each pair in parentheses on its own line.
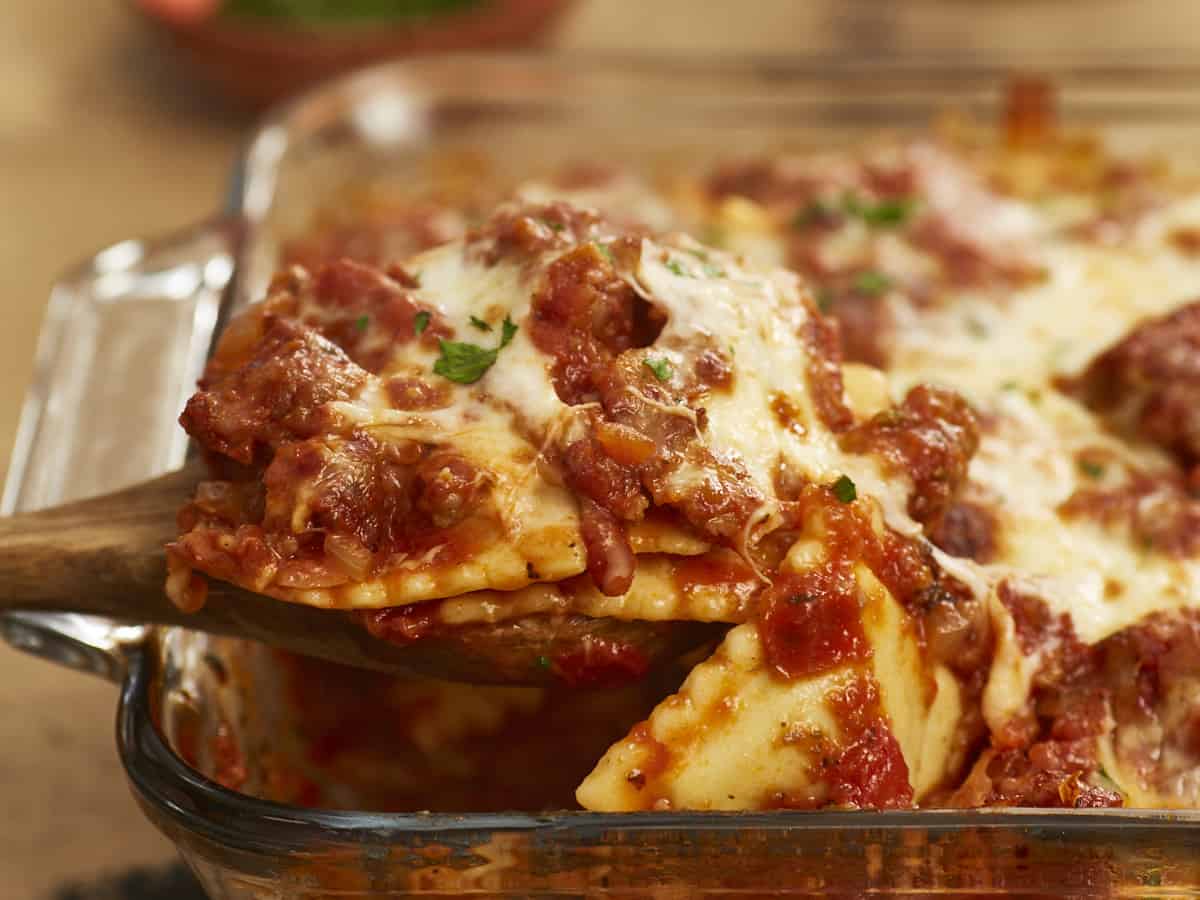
(166,784)
(163,780)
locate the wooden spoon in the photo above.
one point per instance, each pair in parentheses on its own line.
(104,556)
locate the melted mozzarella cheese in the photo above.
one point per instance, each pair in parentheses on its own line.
(759,318)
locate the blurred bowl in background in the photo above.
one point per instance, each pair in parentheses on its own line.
(262,51)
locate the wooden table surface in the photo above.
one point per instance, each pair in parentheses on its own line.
(101,139)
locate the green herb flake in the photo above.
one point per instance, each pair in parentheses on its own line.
(543,662)
(800,599)
(844,490)
(463,363)
(507,332)
(606,252)
(480,324)
(1010,385)
(884,214)
(466,363)
(713,271)
(1091,469)
(362,322)
(421,322)
(872,283)
(553,226)
(674,266)
(660,367)
(824,298)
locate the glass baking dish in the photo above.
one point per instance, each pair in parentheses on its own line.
(126,334)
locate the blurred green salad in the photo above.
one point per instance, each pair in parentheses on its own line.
(331,11)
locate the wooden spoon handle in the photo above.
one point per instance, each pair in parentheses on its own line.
(104,556)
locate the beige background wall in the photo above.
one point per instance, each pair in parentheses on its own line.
(100,140)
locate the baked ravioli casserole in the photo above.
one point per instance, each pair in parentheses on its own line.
(913,425)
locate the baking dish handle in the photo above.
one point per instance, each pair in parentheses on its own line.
(124,338)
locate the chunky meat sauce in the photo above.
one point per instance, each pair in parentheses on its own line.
(643,431)
(863,768)
(1148,383)
(277,395)
(840,215)
(332,503)
(1160,511)
(1135,689)
(303,497)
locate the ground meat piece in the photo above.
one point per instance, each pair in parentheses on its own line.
(1148,384)
(359,487)
(368,313)
(930,438)
(582,316)
(825,373)
(865,327)
(415,393)
(449,488)
(590,471)
(526,232)
(1013,778)
(278,395)
(1161,511)
(377,234)
(719,504)
(764,181)
(968,530)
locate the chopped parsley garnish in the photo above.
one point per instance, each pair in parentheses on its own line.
(976,328)
(466,363)
(507,332)
(660,367)
(480,324)
(462,362)
(824,298)
(800,599)
(674,266)
(543,662)
(1009,386)
(420,323)
(1091,469)
(606,252)
(872,283)
(553,226)
(844,490)
(362,322)
(884,214)
(711,269)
